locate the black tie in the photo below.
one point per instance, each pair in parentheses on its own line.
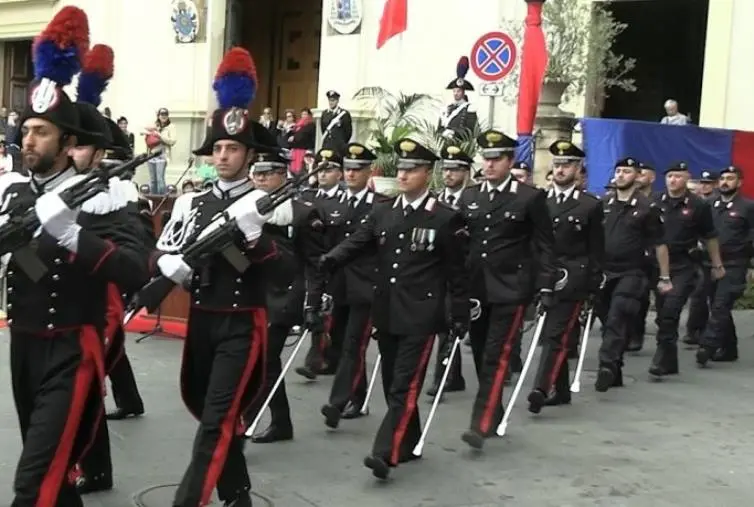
(352,201)
(407,210)
(493,193)
(561,198)
(450,199)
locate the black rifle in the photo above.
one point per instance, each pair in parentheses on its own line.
(223,239)
(17,233)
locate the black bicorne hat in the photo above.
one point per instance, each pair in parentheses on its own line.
(462,68)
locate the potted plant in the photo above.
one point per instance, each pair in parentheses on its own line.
(396,117)
(430,135)
(580,37)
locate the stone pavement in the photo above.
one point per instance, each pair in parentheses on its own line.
(686,442)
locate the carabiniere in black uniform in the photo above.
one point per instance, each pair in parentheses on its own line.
(57,322)
(294,289)
(352,289)
(688,221)
(226,338)
(632,227)
(733,215)
(579,250)
(419,247)
(510,259)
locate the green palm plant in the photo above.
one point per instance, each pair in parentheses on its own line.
(431,137)
(396,117)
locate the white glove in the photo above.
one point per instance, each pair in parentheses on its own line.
(247,216)
(282,215)
(174,268)
(448,133)
(58,220)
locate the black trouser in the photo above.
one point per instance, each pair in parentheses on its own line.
(720,332)
(57,390)
(493,336)
(698,305)
(637,332)
(669,306)
(350,383)
(557,337)
(618,306)
(122,381)
(280,410)
(220,375)
(316,356)
(404,365)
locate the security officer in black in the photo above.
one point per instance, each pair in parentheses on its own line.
(633,225)
(698,305)
(324,352)
(688,221)
(456,166)
(579,250)
(294,287)
(522,172)
(733,215)
(420,244)
(352,287)
(336,124)
(635,342)
(510,259)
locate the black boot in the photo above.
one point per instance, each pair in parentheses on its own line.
(243,500)
(665,360)
(94,484)
(703,355)
(561,395)
(606,377)
(275,432)
(692,338)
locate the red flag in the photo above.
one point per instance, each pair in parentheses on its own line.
(533,67)
(394,20)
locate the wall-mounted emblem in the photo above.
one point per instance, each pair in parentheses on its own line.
(185,20)
(345,16)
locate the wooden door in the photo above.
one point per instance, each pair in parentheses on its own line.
(18,74)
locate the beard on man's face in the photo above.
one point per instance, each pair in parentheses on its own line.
(38,163)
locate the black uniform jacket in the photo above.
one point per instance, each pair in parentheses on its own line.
(337,128)
(419,257)
(632,228)
(461,118)
(216,285)
(354,283)
(511,248)
(688,221)
(579,241)
(294,280)
(74,291)
(734,222)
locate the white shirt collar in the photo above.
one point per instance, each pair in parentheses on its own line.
(500,187)
(329,193)
(359,195)
(455,193)
(568,192)
(416,203)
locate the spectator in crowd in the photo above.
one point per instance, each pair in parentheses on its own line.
(108,113)
(285,128)
(268,122)
(187,187)
(123,125)
(159,137)
(6,160)
(673,116)
(3,120)
(302,138)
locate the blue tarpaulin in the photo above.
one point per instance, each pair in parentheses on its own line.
(606,141)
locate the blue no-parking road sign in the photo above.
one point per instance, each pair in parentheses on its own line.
(493,56)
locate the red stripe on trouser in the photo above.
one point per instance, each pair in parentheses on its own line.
(496,391)
(410,405)
(365,335)
(563,346)
(85,374)
(228,426)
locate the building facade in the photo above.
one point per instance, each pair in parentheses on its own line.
(304,48)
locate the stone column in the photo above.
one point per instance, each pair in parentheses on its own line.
(551,124)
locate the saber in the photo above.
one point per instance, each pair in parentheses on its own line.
(576,385)
(365,407)
(286,367)
(449,361)
(516,390)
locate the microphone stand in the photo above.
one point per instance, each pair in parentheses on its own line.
(157,329)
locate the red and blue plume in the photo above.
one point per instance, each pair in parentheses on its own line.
(462,68)
(236,79)
(59,50)
(95,74)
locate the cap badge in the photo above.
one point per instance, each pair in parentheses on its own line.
(493,137)
(326,154)
(261,157)
(407,147)
(45,96)
(453,150)
(234,121)
(459,82)
(355,151)
(630,162)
